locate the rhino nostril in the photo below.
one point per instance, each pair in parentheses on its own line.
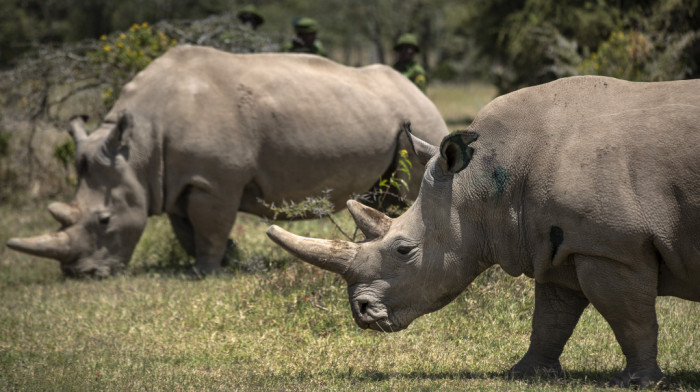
(364,305)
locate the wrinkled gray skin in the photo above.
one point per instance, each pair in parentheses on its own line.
(589,185)
(201,134)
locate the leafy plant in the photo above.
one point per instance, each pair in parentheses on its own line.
(124,54)
(321,206)
(64,153)
(624,55)
(318,206)
(393,185)
(133,50)
(4,144)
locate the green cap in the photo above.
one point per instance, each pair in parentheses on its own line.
(305,25)
(407,39)
(250,12)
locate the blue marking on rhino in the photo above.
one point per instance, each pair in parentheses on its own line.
(500,177)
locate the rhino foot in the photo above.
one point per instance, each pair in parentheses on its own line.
(652,378)
(531,367)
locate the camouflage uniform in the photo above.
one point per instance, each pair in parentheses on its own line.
(305,26)
(411,69)
(249,15)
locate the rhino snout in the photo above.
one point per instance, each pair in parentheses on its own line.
(369,313)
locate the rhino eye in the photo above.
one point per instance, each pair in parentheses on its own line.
(404,250)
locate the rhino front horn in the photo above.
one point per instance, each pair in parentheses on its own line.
(334,256)
(54,246)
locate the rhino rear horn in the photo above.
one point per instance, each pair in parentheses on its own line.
(331,255)
(55,246)
(371,222)
(422,149)
(66,214)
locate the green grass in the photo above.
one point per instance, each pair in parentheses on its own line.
(273,323)
(459,103)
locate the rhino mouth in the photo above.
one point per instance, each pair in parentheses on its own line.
(373,315)
(384,325)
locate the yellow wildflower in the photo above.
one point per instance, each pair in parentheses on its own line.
(103,37)
(106,48)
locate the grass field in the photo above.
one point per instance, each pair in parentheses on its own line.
(274,324)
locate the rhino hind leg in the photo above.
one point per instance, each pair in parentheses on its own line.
(626,297)
(557,311)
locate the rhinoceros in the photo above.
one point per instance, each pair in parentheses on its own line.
(201,134)
(590,185)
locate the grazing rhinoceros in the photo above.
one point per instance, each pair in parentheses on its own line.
(201,134)
(589,185)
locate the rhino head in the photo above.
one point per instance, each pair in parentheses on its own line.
(406,266)
(101,227)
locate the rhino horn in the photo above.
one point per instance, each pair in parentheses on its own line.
(423,149)
(55,246)
(77,129)
(64,213)
(371,222)
(331,255)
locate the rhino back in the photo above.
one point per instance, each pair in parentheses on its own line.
(610,166)
(286,125)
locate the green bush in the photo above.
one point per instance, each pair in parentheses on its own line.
(133,50)
(624,55)
(124,54)
(4,144)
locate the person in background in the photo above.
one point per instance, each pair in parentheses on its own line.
(406,47)
(305,41)
(250,16)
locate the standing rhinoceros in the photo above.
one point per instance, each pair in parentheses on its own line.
(201,134)
(589,185)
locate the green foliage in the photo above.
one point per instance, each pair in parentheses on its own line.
(528,42)
(623,55)
(124,54)
(133,50)
(321,207)
(312,206)
(4,144)
(394,186)
(65,153)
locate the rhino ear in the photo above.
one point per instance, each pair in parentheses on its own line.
(422,149)
(119,134)
(455,150)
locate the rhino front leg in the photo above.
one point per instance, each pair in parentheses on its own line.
(211,219)
(626,296)
(557,310)
(183,232)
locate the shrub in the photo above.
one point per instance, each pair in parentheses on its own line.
(624,55)
(124,54)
